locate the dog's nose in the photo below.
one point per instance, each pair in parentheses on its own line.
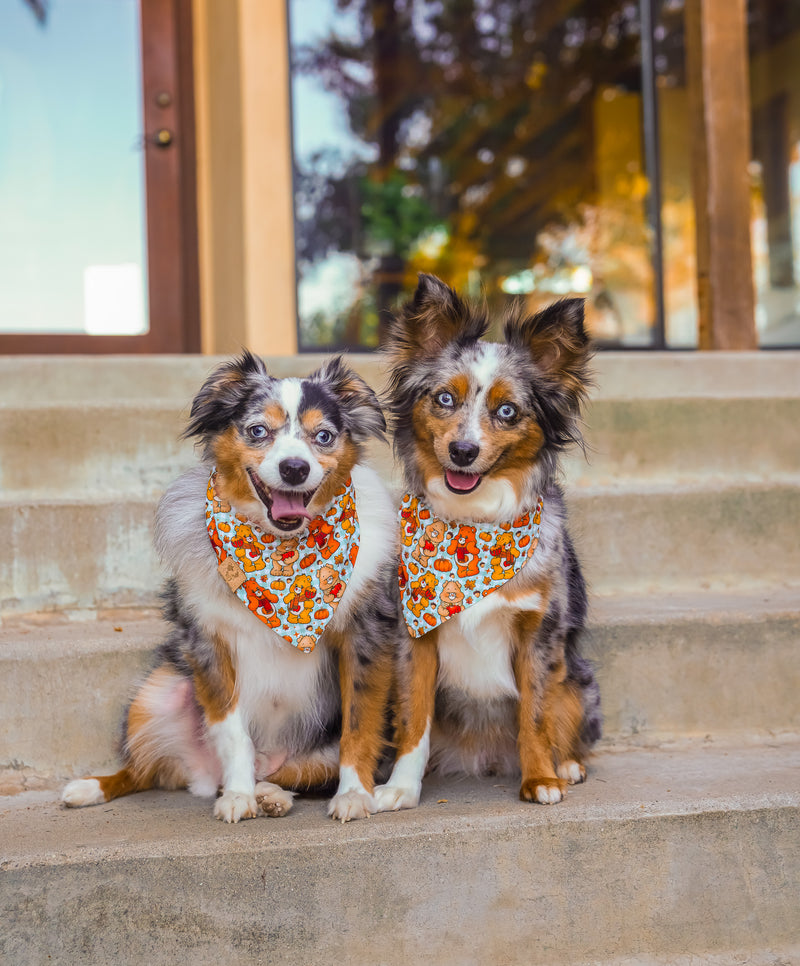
(462,454)
(293,471)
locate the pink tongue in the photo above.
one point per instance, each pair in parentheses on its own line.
(462,481)
(286,505)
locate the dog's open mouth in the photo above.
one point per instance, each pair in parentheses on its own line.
(286,508)
(461,482)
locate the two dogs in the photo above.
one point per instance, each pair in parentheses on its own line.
(297,638)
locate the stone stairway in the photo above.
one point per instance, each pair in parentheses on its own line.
(681,847)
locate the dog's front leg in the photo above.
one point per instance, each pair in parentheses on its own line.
(531,671)
(417,671)
(365,674)
(215,690)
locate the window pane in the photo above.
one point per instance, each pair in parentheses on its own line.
(72,216)
(774,36)
(495,143)
(679,248)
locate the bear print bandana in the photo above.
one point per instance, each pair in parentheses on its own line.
(292,584)
(446,567)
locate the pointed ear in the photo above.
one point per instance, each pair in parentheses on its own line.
(222,394)
(434,317)
(362,411)
(558,344)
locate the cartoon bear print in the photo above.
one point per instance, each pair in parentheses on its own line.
(348,515)
(450,599)
(248,549)
(503,554)
(422,593)
(409,524)
(283,557)
(428,544)
(300,600)
(465,550)
(320,536)
(306,643)
(330,583)
(260,601)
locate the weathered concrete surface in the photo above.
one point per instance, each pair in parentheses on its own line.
(687,665)
(692,850)
(617,374)
(73,554)
(133,446)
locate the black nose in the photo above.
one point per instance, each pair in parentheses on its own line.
(462,454)
(293,471)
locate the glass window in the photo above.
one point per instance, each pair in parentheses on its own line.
(498,144)
(72,213)
(774,40)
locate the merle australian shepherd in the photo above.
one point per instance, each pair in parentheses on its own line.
(492,681)
(239,692)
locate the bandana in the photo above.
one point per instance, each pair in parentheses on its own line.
(446,567)
(292,584)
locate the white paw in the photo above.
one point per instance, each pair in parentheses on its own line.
(273,800)
(84,791)
(548,794)
(390,798)
(347,806)
(233,806)
(572,772)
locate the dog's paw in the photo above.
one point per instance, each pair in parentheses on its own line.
(273,800)
(347,806)
(545,791)
(572,772)
(391,798)
(233,806)
(83,791)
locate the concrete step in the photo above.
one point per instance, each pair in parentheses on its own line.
(133,447)
(678,855)
(623,375)
(690,665)
(83,554)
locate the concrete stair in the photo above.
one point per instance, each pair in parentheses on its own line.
(681,847)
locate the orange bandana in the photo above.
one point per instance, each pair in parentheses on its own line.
(292,584)
(446,567)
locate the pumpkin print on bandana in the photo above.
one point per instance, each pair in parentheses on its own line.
(446,567)
(292,584)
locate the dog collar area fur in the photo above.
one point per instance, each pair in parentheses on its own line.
(292,584)
(446,566)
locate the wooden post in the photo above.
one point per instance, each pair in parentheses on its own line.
(719,115)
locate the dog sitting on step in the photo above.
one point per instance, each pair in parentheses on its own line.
(491,679)
(282,603)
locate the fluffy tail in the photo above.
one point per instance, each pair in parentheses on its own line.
(314,770)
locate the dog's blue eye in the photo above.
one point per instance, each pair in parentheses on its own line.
(507,411)
(445,399)
(324,437)
(257,432)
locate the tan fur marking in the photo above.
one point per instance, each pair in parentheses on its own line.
(310,420)
(337,465)
(417,692)
(498,394)
(275,415)
(535,753)
(216,690)
(363,711)
(232,457)
(304,773)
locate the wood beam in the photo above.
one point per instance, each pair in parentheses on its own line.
(719,116)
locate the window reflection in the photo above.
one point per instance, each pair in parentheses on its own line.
(497,144)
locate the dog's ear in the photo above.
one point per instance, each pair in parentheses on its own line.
(362,411)
(433,317)
(223,394)
(558,345)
